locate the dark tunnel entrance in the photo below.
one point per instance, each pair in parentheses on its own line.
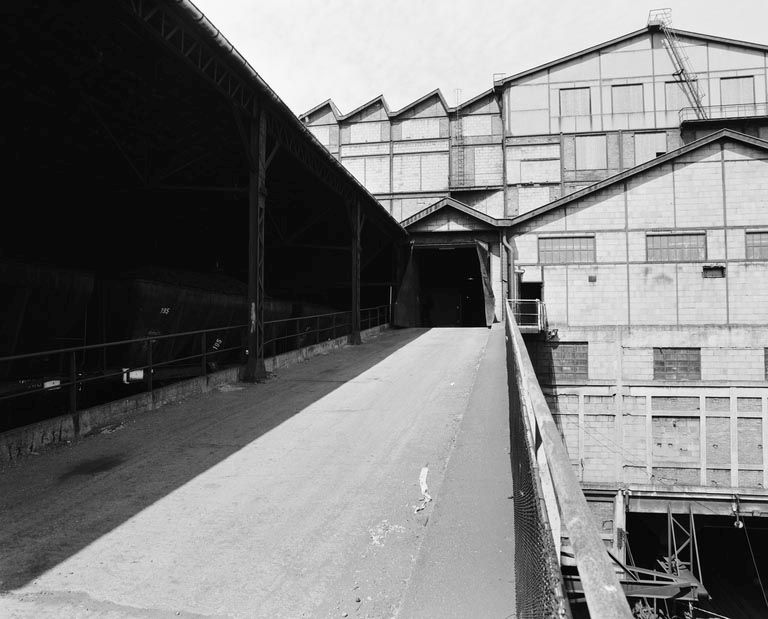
(445,286)
(451,292)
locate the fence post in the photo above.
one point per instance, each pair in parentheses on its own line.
(73,392)
(333,323)
(149,369)
(203,360)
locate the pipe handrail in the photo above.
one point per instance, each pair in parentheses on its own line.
(152,338)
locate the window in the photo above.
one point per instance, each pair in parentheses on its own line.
(566,249)
(765,362)
(649,146)
(675,96)
(737,90)
(757,245)
(677,363)
(561,361)
(591,152)
(676,247)
(575,102)
(627,99)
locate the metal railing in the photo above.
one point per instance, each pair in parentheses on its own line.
(720,112)
(547,498)
(125,367)
(530,315)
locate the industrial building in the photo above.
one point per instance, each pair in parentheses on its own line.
(619,197)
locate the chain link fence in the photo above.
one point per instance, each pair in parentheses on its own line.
(547,495)
(539,588)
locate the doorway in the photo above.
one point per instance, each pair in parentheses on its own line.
(451,292)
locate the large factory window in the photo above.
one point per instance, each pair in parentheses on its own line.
(677,363)
(591,152)
(575,102)
(757,245)
(627,99)
(676,247)
(561,361)
(675,96)
(735,90)
(566,249)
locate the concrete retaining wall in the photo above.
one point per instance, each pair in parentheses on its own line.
(21,442)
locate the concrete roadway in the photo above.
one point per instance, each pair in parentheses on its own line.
(291,498)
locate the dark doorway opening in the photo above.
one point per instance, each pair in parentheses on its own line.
(451,286)
(530,290)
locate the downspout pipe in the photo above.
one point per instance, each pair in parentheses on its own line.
(511,278)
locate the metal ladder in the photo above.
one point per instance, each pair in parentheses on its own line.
(683,72)
(458,173)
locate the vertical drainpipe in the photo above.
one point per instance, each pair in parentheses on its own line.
(511,291)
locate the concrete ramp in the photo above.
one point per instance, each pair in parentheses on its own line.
(295,497)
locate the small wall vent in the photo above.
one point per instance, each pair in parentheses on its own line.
(713,270)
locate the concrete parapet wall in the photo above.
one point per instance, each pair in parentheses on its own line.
(21,442)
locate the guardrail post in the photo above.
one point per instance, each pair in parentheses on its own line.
(333,325)
(149,370)
(73,391)
(203,360)
(356,219)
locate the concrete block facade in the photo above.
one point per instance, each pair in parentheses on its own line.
(708,426)
(672,303)
(549,131)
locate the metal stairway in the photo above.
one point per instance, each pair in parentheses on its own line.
(662,18)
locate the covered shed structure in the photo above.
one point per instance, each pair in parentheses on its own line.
(140,136)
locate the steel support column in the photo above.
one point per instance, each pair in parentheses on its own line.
(356,219)
(257,202)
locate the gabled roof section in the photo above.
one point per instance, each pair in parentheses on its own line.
(622,39)
(455,204)
(327,103)
(435,93)
(364,106)
(473,100)
(723,134)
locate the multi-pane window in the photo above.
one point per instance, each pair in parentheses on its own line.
(676,247)
(649,146)
(737,90)
(591,152)
(757,245)
(627,99)
(561,361)
(574,102)
(677,363)
(675,96)
(566,249)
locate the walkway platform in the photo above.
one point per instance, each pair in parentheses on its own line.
(291,498)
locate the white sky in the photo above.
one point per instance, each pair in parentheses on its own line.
(353,50)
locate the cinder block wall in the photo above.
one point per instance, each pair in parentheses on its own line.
(621,422)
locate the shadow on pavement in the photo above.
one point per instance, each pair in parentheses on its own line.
(53,506)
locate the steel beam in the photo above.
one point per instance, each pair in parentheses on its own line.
(356,219)
(229,74)
(257,202)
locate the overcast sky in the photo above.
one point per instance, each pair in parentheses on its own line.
(353,50)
